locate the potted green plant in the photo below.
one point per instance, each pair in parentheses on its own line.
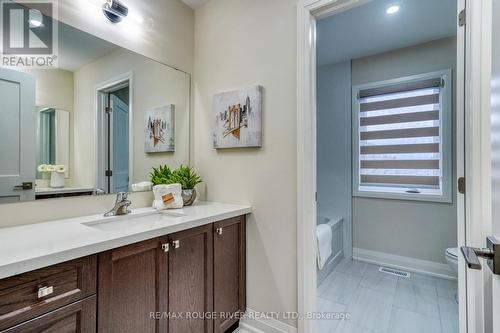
(161,175)
(184,175)
(188,179)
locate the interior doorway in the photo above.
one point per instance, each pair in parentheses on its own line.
(373,175)
(114,155)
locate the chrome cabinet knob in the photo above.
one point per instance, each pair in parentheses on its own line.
(176,244)
(219,231)
(165,247)
(45,291)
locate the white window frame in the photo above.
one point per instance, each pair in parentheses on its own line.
(446,144)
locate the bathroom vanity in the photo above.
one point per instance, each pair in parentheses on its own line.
(96,123)
(144,272)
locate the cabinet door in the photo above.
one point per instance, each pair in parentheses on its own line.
(229,272)
(190,281)
(132,288)
(77,317)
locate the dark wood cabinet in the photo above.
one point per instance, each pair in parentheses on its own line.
(132,288)
(190,280)
(77,317)
(229,272)
(28,295)
(159,285)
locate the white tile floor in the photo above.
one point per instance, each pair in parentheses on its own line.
(382,303)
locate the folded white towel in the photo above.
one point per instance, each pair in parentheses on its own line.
(142,186)
(160,190)
(324,244)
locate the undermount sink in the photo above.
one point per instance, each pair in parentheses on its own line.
(130,222)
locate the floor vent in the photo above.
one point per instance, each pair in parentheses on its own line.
(395,272)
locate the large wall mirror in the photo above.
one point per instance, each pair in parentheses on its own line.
(97,124)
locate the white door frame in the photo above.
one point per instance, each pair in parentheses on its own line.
(473,160)
(478,154)
(99,92)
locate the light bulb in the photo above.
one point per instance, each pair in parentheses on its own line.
(391,10)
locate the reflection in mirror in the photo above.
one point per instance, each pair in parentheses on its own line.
(105,117)
(53,139)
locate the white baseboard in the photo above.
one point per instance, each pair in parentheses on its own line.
(252,323)
(405,263)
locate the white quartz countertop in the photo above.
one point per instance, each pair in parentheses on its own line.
(29,247)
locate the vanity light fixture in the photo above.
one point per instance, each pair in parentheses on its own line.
(392,9)
(114,10)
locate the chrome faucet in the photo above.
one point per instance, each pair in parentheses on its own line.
(121,205)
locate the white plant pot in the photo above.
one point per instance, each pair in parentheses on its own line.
(56,179)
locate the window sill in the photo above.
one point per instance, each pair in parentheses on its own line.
(438,198)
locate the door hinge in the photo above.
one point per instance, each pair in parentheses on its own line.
(108,173)
(462,18)
(108,109)
(461,185)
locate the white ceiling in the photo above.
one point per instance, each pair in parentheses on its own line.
(368,30)
(78,48)
(194,3)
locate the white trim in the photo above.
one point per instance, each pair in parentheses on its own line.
(477,154)
(252,323)
(414,265)
(306,163)
(460,167)
(100,131)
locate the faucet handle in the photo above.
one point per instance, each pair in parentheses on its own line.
(121,196)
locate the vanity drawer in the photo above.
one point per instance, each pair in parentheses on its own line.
(28,295)
(77,317)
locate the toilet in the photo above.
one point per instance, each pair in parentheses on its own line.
(452,259)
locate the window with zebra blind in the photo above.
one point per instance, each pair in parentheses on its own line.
(402,138)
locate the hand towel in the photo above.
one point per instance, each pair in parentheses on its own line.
(324,244)
(142,186)
(161,191)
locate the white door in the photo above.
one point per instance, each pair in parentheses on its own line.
(17,136)
(483,283)
(120,158)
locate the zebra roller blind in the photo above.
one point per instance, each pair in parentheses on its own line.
(400,136)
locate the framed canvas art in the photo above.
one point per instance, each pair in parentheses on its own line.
(160,130)
(238,118)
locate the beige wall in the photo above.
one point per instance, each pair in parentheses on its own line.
(170,41)
(424,229)
(54,88)
(239,44)
(154,85)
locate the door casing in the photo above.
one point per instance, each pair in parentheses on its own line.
(100,91)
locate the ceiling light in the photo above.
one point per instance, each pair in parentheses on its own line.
(393,9)
(35,18)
